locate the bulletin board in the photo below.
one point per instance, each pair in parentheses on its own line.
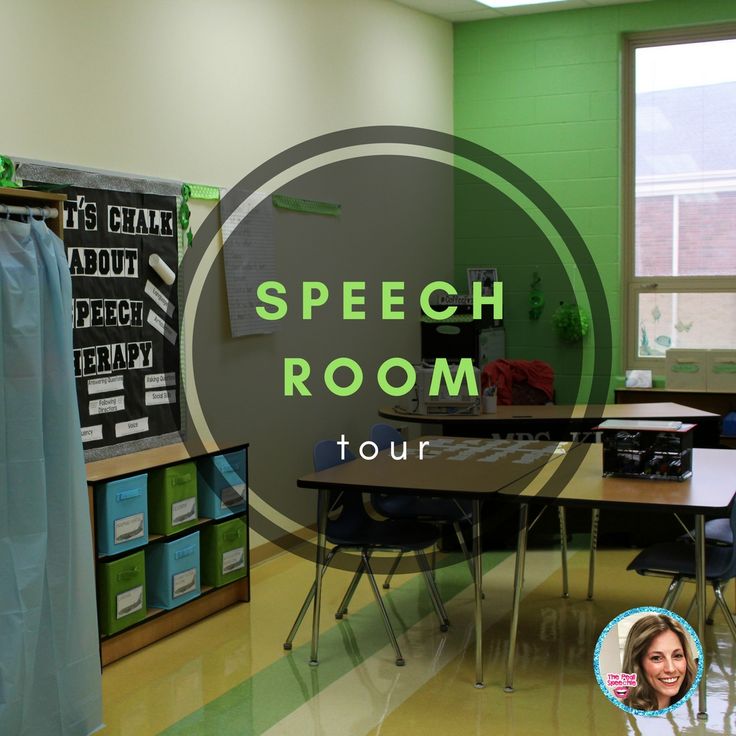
(126,323)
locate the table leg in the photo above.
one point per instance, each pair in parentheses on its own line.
(563,549)
(323,504)
(700,594)
(594,518)
(518,584)
(477,580)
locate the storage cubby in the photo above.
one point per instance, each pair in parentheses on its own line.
(156,484)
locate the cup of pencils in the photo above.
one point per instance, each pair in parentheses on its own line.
(488,400)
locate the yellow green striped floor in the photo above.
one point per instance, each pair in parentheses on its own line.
(229,675)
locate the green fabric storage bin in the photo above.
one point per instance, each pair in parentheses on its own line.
(172,498)
(121,592)
(224,552)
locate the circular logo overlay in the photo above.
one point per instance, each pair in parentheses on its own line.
(369,209)
(648,661)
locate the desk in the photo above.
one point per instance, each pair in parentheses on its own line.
(709,491)
(720,403)
(560,421)
(487,466)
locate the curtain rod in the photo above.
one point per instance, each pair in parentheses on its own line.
(14,209)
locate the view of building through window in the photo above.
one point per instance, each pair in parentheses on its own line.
(685,196)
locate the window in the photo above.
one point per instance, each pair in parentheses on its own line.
(679,193)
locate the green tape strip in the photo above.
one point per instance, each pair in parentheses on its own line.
(724,368)
(306,205)
(203,191)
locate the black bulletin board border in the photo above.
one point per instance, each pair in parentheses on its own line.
(56,174)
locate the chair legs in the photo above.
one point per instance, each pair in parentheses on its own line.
(342,609)
(382,608)
(434,594)
(725,609)
(673,590)
(307,602)
(387,581)
(709,617)
(365,567)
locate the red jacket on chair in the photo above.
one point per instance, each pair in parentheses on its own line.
(505,373)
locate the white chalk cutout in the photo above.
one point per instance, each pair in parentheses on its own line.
(157,264)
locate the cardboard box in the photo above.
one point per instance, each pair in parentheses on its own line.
(721,372)
(686,369)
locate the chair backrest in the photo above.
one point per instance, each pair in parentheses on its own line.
(384,434)
(327,454)
(732,564)
(347,513)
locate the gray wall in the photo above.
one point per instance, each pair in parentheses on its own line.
(396,224)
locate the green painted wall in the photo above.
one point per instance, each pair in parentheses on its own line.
(544,91)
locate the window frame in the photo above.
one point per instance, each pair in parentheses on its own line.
(634,286)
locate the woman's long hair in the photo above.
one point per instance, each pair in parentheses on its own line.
(643,696)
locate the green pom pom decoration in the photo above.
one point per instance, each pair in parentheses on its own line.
(571,322)
(7,172)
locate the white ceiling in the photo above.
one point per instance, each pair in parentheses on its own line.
(465,10)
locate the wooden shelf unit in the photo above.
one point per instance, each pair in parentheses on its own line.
(33,198)
(159,623)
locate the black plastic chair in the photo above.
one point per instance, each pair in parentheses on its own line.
(434,510)
(350,527)
(718,532)
(676,560)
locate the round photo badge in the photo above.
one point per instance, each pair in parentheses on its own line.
(648,661)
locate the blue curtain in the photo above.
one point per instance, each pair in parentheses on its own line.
(50,680)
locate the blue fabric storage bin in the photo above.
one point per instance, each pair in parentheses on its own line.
(121,513)
(221,484)
(173,572)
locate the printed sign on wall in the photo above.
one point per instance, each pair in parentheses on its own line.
(126,316)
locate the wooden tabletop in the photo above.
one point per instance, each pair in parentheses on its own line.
(579,481)
(452,466)
(560,412)
(529,471)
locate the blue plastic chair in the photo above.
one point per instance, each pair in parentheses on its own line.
(676,560)
(435,510)
(349,527)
